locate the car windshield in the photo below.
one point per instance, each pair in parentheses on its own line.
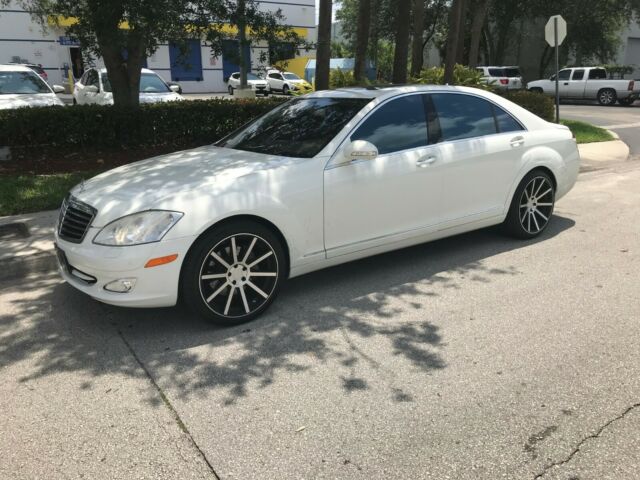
(509,72)
(291,76)
(299,128)
(22,83)
(149,83)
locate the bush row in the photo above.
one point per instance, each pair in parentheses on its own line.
(536,103)
(92,127)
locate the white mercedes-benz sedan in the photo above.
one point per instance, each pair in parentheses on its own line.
(320,180)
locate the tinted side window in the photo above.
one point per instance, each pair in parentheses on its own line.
(506,123)
(597,74)
(564,74)
(463,116)
(92,78)
(397,125)
(235,76)
(577,75)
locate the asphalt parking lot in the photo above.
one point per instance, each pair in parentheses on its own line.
(475,357)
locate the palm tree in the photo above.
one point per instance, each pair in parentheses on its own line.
(323,49)
(401,52)
(362,38)
(418,29)
(455,24)
(479,16)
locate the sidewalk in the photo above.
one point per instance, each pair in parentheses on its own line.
(26,241)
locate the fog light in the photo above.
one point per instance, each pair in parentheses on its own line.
(122,285)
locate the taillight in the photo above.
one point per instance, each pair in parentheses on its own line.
(631,85)
(504,81)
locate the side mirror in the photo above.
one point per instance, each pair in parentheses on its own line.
(553,77)
(360,150)
(175,88)
(58,89)
(91,89)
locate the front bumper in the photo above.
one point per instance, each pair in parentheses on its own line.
(90,267)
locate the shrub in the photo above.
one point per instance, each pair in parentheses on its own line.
(463,76)
(94,127)
(536,103)
(344,78)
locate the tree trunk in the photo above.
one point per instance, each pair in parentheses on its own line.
(401,52)
(362,39)
(462,32)
(242,41)
(323,48)
(417,32)
(479,16)
(455,20)
(125,81)
(374,34)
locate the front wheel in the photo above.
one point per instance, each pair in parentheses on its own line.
(626,102)
(234,272)
(285,90)
(535,90)
(230,90)
(532,206)
(607,97)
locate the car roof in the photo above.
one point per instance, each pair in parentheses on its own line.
(389,91)
(15,68)
(498,66)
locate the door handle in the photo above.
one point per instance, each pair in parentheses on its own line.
(566,83)
(425,161)
(517,141)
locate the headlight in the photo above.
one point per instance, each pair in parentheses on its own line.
(139,228)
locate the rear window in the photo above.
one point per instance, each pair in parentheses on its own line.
(598,74)
(37,69)
(463,116)
(510,72)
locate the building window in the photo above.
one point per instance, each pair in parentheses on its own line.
(186,61)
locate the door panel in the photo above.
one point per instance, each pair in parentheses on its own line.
(369,201)
(374,202)
(480,151)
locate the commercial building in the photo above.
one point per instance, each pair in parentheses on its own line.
(24,40)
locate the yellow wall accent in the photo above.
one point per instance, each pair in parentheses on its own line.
(295,65)
(61,21)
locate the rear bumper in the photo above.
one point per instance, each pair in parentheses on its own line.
(90,267)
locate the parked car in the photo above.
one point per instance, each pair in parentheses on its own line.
(94,87)
(502,78)
(20,86)
(255,83)
(287,82)
(320,180)
(588,83)
(36,68)
(175,87)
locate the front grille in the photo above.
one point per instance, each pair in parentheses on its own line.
(75,219)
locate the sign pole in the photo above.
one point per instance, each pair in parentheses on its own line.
(555,36)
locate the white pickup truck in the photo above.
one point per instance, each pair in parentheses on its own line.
(589,83)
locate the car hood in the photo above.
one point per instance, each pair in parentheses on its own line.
(170,181)
(29,100)
(257,82)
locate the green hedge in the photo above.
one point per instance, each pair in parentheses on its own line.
(537,103)
(92,127)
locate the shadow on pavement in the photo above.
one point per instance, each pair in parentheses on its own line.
(319,317)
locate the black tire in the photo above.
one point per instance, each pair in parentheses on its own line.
(230,90)
(75,102)
(536,90)
(266,93)
(626,102)
(607,97)
(234,289)
(532,206)
(285,90)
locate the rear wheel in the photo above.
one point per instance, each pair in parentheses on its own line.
(607,97)
(532,206)
(234,272)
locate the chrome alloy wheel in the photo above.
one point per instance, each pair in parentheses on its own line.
(238,275)
(536,205)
